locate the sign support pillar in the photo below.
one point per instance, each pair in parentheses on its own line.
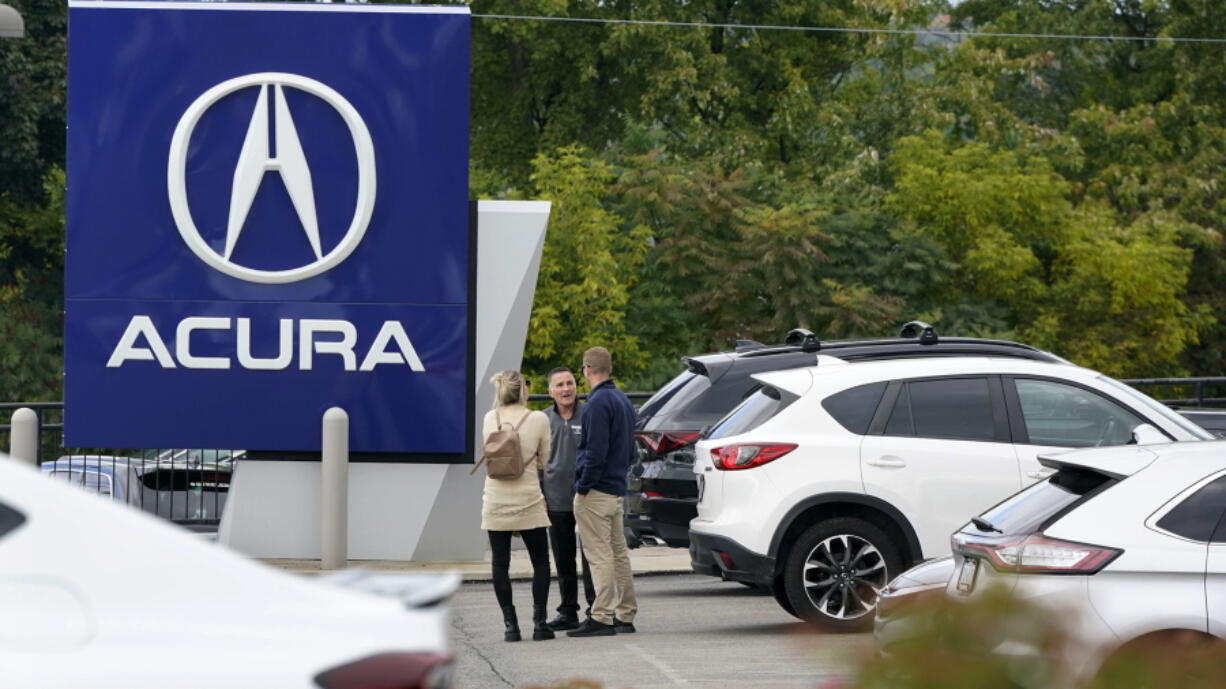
(273,506)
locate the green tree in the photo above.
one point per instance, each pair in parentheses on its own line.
(32,119)
(1081,281)
(33,75)
(31,294)
(587,269)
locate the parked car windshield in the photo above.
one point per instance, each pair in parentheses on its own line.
(1159,408)
(751,413)
(1025,512)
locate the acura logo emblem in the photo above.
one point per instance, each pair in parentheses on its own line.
(257,159)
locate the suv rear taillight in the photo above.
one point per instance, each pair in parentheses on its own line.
(732,457)
(661,442)
(1036,554)
(391,671)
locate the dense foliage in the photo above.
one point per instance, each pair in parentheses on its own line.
(32,117)
(1060,192)
(713,183)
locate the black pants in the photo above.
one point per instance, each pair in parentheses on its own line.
(562,539)
(538,551)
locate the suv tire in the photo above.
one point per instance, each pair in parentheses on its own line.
(834,571)
(779,591)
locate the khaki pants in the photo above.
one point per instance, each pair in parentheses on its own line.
(602,535)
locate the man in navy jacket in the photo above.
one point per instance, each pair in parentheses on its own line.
(605,451)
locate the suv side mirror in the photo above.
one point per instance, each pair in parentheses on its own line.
(1145,434)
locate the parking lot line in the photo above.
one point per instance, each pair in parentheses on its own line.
(664,668)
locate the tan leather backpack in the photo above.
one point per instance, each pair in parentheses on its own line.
(502,456)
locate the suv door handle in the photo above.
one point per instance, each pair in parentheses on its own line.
(887,462)
(1041,474)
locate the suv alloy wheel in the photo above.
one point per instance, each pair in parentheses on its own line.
(835,570)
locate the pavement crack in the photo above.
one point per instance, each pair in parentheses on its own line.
(469,641)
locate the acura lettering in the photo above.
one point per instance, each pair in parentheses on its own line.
(141,341)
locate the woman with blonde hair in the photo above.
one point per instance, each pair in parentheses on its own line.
(512,505)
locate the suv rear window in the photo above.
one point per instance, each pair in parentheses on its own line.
(854,407)
(753,412)
(677,404)
(666,393)
(1026,512)
(724,395)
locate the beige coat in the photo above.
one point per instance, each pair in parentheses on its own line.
(518,504)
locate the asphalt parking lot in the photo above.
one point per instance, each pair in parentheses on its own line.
(693,631)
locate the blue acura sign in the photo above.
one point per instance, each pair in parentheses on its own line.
(267,217)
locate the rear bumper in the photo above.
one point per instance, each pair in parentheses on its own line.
(900,618)
(665,518)
(663,499)
(725,558)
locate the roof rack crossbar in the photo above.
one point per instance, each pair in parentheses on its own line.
(805,339)
(919,329)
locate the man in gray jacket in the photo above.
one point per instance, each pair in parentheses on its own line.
(559,488)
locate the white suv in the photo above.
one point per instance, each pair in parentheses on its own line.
(1124,547)
(830,480)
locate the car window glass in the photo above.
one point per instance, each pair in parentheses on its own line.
(171,455)
(178,479)
(1025,512)
(98,483)
(664,394)
(10,519)
(854,407)
(720,398)
(900,417)
(681,398)
(66,476)
(1068,416)
(753,412)
(957,408)
(1219,534)
(89,480)
(1158,408)
(1197,516)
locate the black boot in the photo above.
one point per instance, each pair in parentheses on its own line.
(564,621)
(512,623)
(540,628)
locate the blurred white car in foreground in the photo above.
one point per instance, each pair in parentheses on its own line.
(1124,545)
(95,595)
